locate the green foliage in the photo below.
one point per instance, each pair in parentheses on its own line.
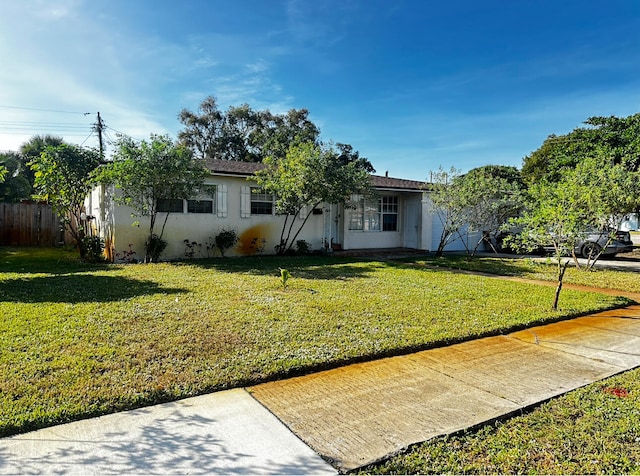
(64,175)
(93,249)
(448,203)
(303,247)
(31,150)
(14,186)
(147,172)
(617,138)
(243,134)
(592,430)
(80,340)
(190,248)
(225,239)
(284,277)
(153,247)
(307,176)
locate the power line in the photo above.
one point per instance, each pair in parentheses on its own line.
(45,110)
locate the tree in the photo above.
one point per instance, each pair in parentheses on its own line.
(490,196)
(448,203)
(308,175)
(594,195)
(149,172)
(617,138)
(32,149)
(64,177)
(243,134)
(15,186)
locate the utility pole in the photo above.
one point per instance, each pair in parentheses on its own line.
(98,127)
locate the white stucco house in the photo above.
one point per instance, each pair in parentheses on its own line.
(401,217)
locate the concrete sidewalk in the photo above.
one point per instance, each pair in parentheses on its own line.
(351,416)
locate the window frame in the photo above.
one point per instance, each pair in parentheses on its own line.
(380,215)
(261,202)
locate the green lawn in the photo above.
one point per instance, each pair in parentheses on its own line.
(593,430)
(538,268)
(80,340)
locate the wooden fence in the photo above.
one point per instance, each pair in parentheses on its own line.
(30,224)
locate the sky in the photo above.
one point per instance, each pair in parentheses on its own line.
(413,85)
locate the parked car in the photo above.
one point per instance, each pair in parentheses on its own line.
(595,240)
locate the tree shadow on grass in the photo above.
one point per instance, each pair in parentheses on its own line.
(308,267)
(78,288)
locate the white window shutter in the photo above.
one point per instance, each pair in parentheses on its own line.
(245,202)
(303,212)
(222,200)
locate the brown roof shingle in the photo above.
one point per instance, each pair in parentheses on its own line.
(247,169)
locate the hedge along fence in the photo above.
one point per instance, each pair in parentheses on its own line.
(30,224)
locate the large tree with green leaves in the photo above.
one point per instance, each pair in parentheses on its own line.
(16,186)
(617,138)
(32,149)
(308,175)
(491,195)
(595,195)
(477,203)
(148,172)
(64,176)
(243,134)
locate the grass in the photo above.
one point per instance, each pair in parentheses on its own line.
(537,268)
(80,340)
(592,430)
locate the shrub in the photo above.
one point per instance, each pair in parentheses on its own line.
(93,249)
(154,246)
(303,247)
(225,240)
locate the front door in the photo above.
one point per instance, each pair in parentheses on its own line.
(411,224)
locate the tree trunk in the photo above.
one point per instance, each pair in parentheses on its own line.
(561,270)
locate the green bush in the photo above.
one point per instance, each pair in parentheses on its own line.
(303,247)
(92,249)
(225,240)
(154,246)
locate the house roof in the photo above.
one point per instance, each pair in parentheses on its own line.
(246,169)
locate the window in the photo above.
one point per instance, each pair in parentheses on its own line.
(389,213)
(378,215)
(199,206)
(261,202)
(170,205)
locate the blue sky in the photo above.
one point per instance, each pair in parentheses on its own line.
(412,85)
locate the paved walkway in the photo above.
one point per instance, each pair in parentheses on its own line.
(350,416)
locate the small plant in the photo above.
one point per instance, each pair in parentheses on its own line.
(190,248)
(284,277)
(257,245)
(225,240)
(303,247)
(153,247)
(93,247)
(128,256)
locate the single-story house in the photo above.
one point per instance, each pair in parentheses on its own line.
(401,216)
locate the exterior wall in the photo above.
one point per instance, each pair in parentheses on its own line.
(257,233)
(417,225)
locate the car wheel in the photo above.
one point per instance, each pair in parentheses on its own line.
(591,250)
